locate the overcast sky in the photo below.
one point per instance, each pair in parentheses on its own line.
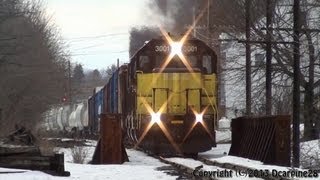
(96,30)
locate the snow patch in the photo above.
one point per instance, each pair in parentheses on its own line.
(224,123)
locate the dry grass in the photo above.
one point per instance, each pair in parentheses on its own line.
(79,154)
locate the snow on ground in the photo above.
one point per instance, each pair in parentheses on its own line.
(95,172)
(216,152)
(140,158)
(140,167)
(223,136)
(219,151)
(247,163)
(80,171)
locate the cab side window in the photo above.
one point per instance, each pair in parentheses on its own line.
(193,61)
(144,63)
(207,64)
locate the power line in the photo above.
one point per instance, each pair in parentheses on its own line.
(99,53)
(97,37)
(89,47)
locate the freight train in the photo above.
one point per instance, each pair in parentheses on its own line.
(166,96)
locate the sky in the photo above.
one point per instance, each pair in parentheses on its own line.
(96,31)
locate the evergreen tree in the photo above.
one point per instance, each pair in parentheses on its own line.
(78,74)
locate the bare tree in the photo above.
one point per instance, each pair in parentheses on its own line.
(32,64)
(282,75)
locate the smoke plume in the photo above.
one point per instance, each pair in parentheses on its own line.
(176,16)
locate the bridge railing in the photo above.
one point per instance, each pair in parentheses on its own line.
(265,138)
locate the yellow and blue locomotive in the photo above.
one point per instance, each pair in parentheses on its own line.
(167,96)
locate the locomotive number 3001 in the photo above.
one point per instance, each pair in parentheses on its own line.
(167,48)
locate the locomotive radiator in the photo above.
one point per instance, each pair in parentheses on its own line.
(266,139)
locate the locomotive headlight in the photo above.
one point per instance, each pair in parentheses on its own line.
(176,48)
(155,117)
(199,118)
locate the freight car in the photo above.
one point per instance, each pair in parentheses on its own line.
(67,118)
(167,96)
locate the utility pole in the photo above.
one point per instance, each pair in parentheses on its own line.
(69,82)
(269,59)
(248,59)
(296,84)
(0,117)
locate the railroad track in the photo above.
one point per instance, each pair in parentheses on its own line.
(184,170)
(203,168)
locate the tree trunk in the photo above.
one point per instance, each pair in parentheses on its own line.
(308,113)
(310,130)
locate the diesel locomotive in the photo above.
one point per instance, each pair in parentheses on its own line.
(166,95)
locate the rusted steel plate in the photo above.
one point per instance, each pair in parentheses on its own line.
(112,150)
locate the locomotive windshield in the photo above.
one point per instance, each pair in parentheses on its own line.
(176,62)
(203,63)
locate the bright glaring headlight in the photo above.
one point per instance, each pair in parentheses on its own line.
(176,48)
(199,118)
(155,117)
